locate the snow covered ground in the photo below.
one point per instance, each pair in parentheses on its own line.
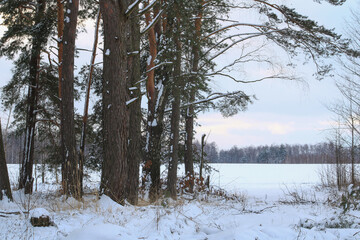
(262,202)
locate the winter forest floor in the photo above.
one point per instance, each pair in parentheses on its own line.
(296,211)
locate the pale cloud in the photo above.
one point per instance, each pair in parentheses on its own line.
(260,129)
(226,126)
(280,129)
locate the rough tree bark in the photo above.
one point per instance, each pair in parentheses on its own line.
(4,175)
(71,174)
(189,118)
(26,178)
(175,116)
(154,118)
(115,94)
(134,106)
(60,33)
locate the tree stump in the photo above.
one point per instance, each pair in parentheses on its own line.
(39,217)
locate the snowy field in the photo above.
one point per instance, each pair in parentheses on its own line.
(261,202)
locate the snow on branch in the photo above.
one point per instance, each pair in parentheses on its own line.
(132,7)
(239,35)
(148,27)
(275,76)
(131,101)
(235,25)
(211,97)
(159,65)
(148,7)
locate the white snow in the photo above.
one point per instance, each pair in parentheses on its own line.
(39,212)
(132,6)
(131,100)
(149,60)
(262,208)
(107,52)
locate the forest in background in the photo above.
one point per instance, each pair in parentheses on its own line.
(283,153)
(163,53)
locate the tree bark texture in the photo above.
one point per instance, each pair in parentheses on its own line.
(155,110)
(4,175)
(115,94)
(153,143)
(71,174)
(38,40)
(189,118)
(60,32)
(175,118)
(150,72)
(134,154)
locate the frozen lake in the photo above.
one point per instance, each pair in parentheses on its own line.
(258,180)
(266,180)
(264,210)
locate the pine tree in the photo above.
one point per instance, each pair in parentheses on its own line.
(115,95)
(4,176)
(31,20)
(71,170)
(134,154)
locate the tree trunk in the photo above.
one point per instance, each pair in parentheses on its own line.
(155,117)
(71,172)
(4,175)
(134,152)
(26,179)
(189,118)
(60,33)
(202,159)
(175,119)
(153,143)
(86,104)
(189,128)
(115,94)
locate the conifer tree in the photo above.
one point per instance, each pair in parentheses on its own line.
(29,25)
(4,175)
(71,168)
(115,95)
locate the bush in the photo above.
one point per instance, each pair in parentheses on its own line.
(351,199)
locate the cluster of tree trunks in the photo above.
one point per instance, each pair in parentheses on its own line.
(166,23)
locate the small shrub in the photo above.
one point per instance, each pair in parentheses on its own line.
(351,199)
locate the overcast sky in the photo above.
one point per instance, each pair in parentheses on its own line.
(285,112)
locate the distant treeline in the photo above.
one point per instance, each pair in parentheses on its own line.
(284,153)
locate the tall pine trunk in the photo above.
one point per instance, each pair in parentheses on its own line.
(115,94)
(4,175)
(134,153)
(175,118)
(71,173)
(60,33)
(189,118)
(38,39)
(155,115)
